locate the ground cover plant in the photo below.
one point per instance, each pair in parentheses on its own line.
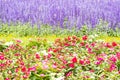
(69,58)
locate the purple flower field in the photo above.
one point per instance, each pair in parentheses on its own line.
(61,12)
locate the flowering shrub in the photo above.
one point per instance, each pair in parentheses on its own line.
(69,58)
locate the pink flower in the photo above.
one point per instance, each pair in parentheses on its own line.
(118,55)
(112,67)
(22,63)
(50,49)
(74,60)
(2,65)
(113,58)
(54,66)
(45,66)
(87,61)
(64,62)
(98,62)
(100,59)
(17,69)
(92,70)
(49,55)
(86,77)
(89,49)
(32,68)
(19,41)
(2,57)
(7,79)
(92,44)
(42,75)
(25,76)
(87,46)
(68,74)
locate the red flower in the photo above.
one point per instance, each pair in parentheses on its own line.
(63,67)
(71,65)
(108,45)
(69,38)
(66,44)
(114,44)
(50,49)
(74,60)
(84,37)
(37,56)
(17,54)
(74,37)
(82,44)
(24,69)
(55,50)
(81,62)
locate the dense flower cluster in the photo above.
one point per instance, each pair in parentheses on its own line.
(71,57)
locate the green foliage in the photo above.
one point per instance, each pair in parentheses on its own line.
(2,46)
(45,30)
(38,43)
(118,65)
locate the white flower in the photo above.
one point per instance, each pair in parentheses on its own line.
(60,78)
(44,52)
(9,43)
